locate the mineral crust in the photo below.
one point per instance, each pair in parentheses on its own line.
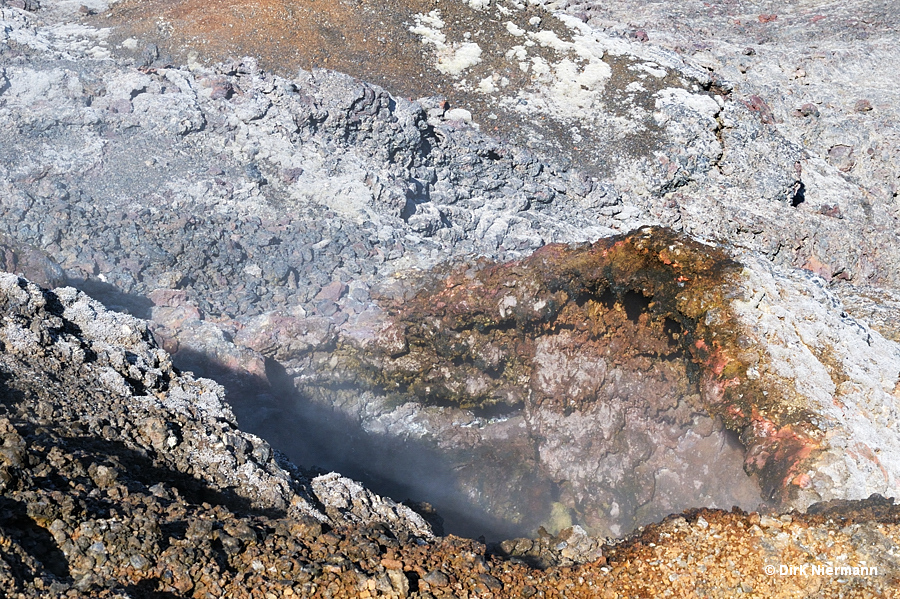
(653,316)
(121,477)
(425,295)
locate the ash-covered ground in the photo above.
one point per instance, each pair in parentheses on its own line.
(426,295)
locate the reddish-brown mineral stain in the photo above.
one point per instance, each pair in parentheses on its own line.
(369,40)
(653,305)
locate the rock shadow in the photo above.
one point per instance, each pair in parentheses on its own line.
(319,438)
(147,589)
(113,298)
(34,540)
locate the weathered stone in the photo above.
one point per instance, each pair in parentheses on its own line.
(252,193)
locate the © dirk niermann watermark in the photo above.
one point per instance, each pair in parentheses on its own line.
(820,570)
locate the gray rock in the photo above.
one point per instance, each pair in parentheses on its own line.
(270,203)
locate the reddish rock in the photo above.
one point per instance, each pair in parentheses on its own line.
(177,317)
(283,337)
(834,211)
(332,291)
(807,109)
(217,87)
(841,157)
(817,266)
(168,297)
(758,105)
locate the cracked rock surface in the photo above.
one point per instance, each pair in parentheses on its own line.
(118,479)
(397,289)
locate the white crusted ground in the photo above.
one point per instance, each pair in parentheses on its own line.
(836,367)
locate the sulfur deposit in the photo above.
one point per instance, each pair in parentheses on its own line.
(122,477)
(611,288)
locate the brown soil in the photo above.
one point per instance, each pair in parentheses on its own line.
(369,40)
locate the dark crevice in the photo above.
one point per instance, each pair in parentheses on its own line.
(485,410)
(799,195)
(147,589)
(634,304)
(413,580)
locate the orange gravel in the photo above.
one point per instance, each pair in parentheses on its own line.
(366,39)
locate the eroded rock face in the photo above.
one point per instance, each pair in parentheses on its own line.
(829,385)
(631,355)
(586,367)
(117,481)
(552,328)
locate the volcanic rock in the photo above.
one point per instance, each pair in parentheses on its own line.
(114,482)
(655,329)
(364,274)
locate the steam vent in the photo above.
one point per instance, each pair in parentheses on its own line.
(603,368)
(449,299)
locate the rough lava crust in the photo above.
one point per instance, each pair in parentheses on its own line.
(448,298)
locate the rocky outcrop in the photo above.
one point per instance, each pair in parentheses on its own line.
(545,330)
(97,421)
(122,477)
(654,331)
(370,278)
(832,383)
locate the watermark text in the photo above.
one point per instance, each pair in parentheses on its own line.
(820,570)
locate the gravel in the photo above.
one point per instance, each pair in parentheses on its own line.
(256,218)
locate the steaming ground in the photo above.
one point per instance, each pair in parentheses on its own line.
(255,218)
